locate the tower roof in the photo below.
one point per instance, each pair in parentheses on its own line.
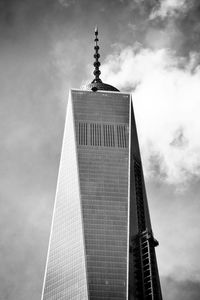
(97,83)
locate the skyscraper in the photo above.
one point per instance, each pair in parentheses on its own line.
(101,244)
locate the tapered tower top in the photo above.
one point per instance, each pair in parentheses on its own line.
(97,83)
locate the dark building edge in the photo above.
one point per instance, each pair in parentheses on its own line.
(144,282)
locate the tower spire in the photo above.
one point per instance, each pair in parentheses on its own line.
(97,63)
(97,83)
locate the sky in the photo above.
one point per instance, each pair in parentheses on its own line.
(148,48)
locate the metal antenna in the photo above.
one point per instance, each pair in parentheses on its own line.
(96,64)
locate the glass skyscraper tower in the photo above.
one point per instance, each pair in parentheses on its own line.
(101,244)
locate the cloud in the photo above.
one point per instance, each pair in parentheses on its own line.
(171,8)
(166,102)
(182,290)
(176,224)
(66,3)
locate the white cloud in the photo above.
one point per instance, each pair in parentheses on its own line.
(66,3)
(167,107)
(171,8)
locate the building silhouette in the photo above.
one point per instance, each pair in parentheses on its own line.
(101,244)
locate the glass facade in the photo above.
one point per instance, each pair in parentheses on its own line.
(103,171)
(101,226)
(66,270)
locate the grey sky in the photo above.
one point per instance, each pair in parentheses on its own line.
(47,48)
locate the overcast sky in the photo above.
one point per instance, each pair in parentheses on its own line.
(149,48)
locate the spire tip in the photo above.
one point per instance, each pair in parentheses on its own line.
(96,30)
